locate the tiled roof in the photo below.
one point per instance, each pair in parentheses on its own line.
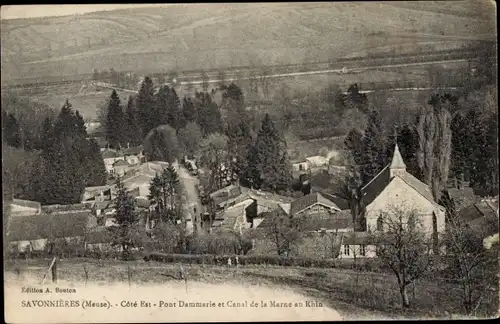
(309,200)
(49,225)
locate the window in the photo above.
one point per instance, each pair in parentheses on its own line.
(301,167)
(346,249)
(362,250)
(380,224)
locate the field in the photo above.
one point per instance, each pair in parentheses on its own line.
(355,295)
(218,35)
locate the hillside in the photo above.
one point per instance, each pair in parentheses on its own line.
(205,36)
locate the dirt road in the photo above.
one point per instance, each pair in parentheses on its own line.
(189,183)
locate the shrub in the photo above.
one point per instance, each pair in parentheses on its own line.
(211,259)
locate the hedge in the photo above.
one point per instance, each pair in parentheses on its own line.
(209,259)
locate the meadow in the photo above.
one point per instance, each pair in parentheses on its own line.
(354,294)
(218,35)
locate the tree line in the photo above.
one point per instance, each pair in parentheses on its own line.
(56,168)
(230,147)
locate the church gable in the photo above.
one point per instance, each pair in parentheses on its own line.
(398,193)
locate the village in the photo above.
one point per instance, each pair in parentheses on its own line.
(312,156)
(236,209)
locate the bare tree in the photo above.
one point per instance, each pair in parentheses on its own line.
(283,231)
(475,267)
(214,155)
(404,248)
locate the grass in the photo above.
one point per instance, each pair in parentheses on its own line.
(201,36)
(356,294)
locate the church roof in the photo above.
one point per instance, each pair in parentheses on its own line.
(373,188)
(397,161)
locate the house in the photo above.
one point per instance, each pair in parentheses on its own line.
(220,197)
(318,214)
(110,157)
(482,216)
(21,207)
(395,188)
(97,193)
(120,167)
(255,203)
(234,218)
(309,165)
(460,193)
(358,244)
(134,155)
(300,166)
(31,233)
(317,163)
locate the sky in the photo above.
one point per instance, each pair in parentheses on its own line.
(31,11)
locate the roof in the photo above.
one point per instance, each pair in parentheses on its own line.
(26,203)
(48,225)
(85,206)
(267,199)
(464,195)
(223,195)
(120,163)
(267,216)
(107,154)
(309,200)
(317,160)
(480,214)
(397,161)
(102,205)
(358,238)
(136,150)
(340,202)
(232,216)
(226,191)
(340,220)
(373,188)
(21,207)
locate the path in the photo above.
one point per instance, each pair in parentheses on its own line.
(189,183)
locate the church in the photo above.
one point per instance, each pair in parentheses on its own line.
(393,189)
